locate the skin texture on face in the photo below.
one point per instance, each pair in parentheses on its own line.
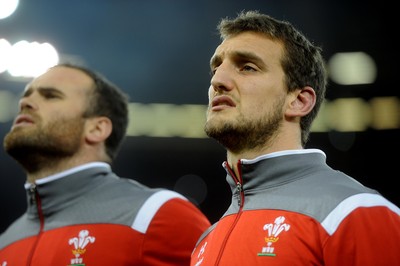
(247,96)
(50,125)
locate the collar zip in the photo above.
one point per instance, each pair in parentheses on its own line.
(32,193)
(238,180)
(239,189)
(239,184)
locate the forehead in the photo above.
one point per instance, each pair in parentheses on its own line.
(257,43)
(63,78)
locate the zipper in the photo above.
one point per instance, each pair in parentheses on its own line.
(35,199)
(239,189)
(239,183)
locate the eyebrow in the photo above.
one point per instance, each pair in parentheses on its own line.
(215,60)
(239,56)
(42,90)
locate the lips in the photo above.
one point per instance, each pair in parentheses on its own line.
(221,101)
(23,119)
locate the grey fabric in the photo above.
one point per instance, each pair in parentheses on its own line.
(94,195)
(299,182)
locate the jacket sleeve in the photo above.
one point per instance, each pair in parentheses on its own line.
(367,236)
(173,233)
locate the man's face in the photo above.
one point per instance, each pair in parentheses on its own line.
(50,121)
(247,92)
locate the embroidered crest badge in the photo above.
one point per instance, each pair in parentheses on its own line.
(79,243)
(273,230)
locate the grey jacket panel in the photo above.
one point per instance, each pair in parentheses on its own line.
(298,182)
(94,195)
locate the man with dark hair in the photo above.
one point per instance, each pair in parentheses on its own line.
(70,125)
(288,206)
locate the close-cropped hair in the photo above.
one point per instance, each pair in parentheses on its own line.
(110,101)
(302,61)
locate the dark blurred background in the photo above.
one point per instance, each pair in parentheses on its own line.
(158,51)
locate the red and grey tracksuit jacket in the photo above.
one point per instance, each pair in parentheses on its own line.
(291,208)
(89,216)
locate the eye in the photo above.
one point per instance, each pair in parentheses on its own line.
(248,68)
(50,95)
(212,72)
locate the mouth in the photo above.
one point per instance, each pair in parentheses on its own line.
(23,119)
(222,102)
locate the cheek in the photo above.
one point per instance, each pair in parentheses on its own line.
(256,100)
(259,105)
(210,92)
(265,97)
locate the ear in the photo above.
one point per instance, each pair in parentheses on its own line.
(302,101)
(98,129)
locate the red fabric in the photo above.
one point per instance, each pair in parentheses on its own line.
(366,237)
(169,240)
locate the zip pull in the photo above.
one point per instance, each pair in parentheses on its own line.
(239,189)
(32,193)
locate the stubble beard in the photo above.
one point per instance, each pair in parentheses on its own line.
(244,134)
(40,146)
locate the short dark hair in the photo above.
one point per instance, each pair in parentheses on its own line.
(110,101)
(302,61)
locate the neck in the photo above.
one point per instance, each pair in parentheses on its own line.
(53,166)
(280,144)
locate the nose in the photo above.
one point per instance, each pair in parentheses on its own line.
(26,103)
(222,79)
